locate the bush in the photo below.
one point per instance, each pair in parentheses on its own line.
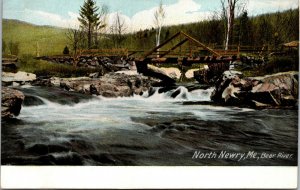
(66,51)
(275,64)
(281,64)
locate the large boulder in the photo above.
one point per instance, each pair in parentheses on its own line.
(122,85)
(11,102)
(163,74)
(9,64)
(275,90)
(224,89)
(19,77)
(109,85)
(279,89)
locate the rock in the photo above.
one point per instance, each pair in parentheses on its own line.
(118,85)
(32,101)
(109,85)
(157,72)
(55,81)
(190,73)
(275,90)
(14,84)
(173,73)
(18,77)
(9,66)
(260,105)
(94,75)
(224,89)
(11,102)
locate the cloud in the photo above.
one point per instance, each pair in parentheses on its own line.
(184,11)
(111,18)
(259,6)
(46,18)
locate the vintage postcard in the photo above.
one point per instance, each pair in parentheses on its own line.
(188,93)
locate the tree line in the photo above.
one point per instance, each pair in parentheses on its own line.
(271,29)
(231,26)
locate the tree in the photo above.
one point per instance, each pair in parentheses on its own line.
(159,17)
(244,29)
(228,14)
(89,19)
(101,24)
(66,51)
(117,30)
(77,43)
(264,30)
(291,25)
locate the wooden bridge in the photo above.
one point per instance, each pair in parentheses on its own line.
(180,49)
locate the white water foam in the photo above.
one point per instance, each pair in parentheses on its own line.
(183,95)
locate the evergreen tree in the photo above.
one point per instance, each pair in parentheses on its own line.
(244,29)
(89,19)
(66,51)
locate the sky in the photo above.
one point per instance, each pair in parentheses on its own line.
(137,14)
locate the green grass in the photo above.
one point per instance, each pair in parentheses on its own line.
(44,68)
(49,40)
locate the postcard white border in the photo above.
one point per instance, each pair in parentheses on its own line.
(148,177)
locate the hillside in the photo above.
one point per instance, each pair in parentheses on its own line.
(49,40)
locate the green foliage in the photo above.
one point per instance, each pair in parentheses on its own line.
(274,65)
(280,64)
(66,51)
(89,19)
(44,68)
(271,29)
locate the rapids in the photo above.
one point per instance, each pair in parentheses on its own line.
(160,127)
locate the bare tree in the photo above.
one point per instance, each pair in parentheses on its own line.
(101,24)
(159,17)
(117,30)
(229,8)
(76,39)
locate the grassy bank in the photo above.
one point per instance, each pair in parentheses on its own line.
(44,68)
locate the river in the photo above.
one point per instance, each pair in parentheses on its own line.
(56,127)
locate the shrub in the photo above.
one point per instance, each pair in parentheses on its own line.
(66,51)
(280,64)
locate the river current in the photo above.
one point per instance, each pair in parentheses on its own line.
(179,127)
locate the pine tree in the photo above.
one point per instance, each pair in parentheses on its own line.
(89,19)
(66,51)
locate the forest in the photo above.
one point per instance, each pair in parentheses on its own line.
(271,30)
